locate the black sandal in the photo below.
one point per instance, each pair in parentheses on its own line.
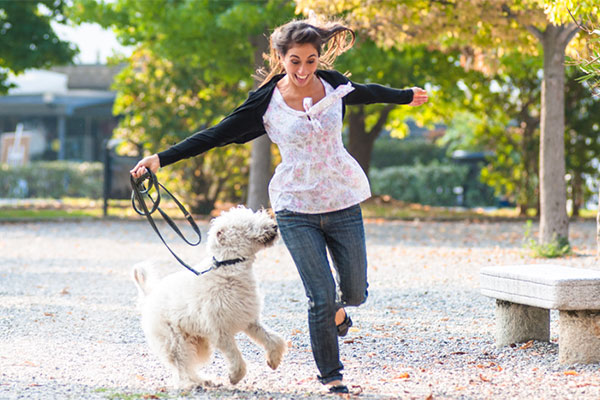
(339,389)
(342,329)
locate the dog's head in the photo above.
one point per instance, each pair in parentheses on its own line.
(241,232)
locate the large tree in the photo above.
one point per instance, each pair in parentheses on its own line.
(224,40)
(161,101)
(27,39)
(483,28)
(501,115)
(396,68)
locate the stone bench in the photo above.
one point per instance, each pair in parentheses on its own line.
(525,294)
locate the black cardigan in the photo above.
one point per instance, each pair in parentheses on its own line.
(246,122)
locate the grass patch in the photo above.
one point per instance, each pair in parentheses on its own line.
(382,207)
(557,247)
(387,208)
(115,395)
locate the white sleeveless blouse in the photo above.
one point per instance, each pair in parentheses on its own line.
(316,174)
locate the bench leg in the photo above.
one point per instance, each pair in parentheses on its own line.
(517,323)
(579,337)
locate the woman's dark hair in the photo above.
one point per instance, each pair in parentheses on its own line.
(329,38)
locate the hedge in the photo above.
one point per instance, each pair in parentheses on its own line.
(52,179)
(395,152)
(431,184)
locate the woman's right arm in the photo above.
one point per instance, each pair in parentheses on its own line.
(151,162)
(241,126)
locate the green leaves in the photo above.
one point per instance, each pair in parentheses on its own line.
(27,39)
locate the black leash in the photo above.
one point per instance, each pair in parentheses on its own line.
(137,195)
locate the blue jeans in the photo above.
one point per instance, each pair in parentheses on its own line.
(308,237)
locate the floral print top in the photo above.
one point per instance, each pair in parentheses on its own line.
(316,174)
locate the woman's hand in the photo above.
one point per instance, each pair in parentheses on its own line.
(419,97)
(151,162)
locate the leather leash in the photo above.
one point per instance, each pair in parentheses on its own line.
(137,195)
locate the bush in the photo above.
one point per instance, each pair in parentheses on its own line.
(395,152)
(52,179)
(433,184)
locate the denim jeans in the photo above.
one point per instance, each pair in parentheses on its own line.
(308,237)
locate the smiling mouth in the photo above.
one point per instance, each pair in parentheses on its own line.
(301,78)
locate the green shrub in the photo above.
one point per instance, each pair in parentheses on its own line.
(432,184)
(557,247)
(395,152)
(52,179)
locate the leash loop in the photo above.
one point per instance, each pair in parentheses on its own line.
(137,196)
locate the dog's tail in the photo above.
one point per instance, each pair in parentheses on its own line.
(141,278)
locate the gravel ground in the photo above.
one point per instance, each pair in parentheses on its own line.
(69,328)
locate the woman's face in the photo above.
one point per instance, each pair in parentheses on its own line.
(300,63)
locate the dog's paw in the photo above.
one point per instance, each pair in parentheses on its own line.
(194,385)
(236,374)
(275,355)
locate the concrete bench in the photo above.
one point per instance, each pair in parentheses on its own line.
(525,294)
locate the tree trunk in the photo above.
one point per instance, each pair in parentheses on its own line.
(577,184)
(360,145)
(554,223)
(598,228)
(260,157)
(361,142)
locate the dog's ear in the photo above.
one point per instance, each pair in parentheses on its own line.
(221,237)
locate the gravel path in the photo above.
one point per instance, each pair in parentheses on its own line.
(69,328)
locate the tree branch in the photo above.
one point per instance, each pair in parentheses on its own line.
(530,28)
(570,30)
(382,120)
(535,32)
(583,28)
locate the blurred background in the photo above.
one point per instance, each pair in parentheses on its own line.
(89,86)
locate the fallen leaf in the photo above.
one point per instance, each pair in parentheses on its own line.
(404,375)
(49,314)
(526,345)
(483,378)
(571,372)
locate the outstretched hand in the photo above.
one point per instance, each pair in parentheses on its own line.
(151,162)
(419,97)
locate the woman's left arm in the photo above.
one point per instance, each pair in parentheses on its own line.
(419,97)
(373,93)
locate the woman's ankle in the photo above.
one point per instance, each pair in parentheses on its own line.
(340,316)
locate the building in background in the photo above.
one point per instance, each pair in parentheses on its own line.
(66,112)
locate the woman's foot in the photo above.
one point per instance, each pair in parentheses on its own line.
(337,387)
(343,322)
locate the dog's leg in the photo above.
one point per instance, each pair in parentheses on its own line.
(237,366)
(273,343)
(181,355)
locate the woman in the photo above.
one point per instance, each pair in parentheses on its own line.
(316,190)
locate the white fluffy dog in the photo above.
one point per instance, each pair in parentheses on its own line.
(185,316)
